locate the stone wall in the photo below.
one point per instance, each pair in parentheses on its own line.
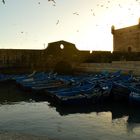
(125,66)
(63,56)
(40,60)
(16,59)
(126,39)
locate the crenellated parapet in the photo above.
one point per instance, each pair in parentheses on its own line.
(112,29)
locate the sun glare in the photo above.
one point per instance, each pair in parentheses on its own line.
(124,15)
(87,25)
(100,37)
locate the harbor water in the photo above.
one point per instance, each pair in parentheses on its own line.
(26,114)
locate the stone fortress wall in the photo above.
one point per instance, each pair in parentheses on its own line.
(126,39)
(125,66)
(64,56)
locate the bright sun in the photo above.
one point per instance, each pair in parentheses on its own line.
(100,38)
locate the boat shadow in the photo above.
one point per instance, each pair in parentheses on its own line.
(10,94)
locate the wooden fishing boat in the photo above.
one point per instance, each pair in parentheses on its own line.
(120,91)
(92,93)
(134,97)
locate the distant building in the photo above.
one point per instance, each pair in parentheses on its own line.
(126,39)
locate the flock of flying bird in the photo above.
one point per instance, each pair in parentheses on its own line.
(3,1)
(77,14)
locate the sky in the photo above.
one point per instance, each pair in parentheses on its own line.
(32,24)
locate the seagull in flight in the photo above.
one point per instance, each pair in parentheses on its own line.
(76,13)
(52,1)
(3,1)
(57,22)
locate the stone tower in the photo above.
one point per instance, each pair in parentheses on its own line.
(126,39)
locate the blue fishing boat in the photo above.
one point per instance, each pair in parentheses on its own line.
(5,78)
(134,97)
(84,87)
(48,85)
(101,92)
(69,85)
(37,79)
(120,91)
(85,94)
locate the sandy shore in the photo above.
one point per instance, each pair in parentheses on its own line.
(20,136)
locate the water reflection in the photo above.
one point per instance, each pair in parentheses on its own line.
(10,93)
(66,110)
(121,113)
(34,114)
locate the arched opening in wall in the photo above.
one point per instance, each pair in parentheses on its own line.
(61,46)
(129,49)
(90,51)
(63,67)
